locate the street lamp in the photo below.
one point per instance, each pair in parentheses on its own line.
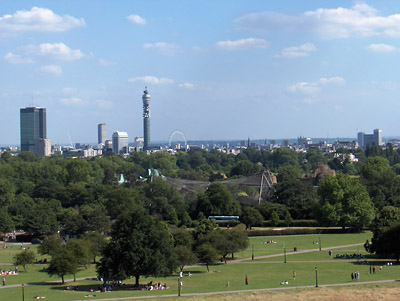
(179,286)
(316,277)
(23,293)
(319,243)
(284,253)
(252,252)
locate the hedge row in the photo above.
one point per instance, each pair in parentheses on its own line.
(294,223)
(293,231)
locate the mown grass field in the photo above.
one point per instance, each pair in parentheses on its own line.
(262,273)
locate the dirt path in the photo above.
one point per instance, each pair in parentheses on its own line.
(297,252)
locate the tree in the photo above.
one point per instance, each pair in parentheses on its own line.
(288,218)
(386,244)
(204,227)
(228,241)
(62,264)
(251,217)
(185,256)
(344,202)
(51,245)
(381,182)
(140,246)
(289,173)
(267,208)
(95,217)
(299,197)
(207,254)
(386,218)
(217,200)
(41,220)
(274,219)
(162,198)
(79,249)
(96,243)
(6,222)
(23,258)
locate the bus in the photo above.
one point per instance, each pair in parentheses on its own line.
(224,218)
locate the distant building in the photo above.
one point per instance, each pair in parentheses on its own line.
(365,139)
(146,119)
(101,133)
(285,142)
(43,147)
(360,138)
(108,145)
(378,137)
(303,142)
(120,142)
(139,141)
(33,130)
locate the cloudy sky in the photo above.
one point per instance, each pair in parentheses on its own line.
(214,69)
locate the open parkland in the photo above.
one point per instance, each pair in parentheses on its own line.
(268,273)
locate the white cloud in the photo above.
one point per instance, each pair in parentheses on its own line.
(68,90)
(38,19)
(151,80)
(186,85)
(34,53)
(104,104)
(297,51)
(360,20)
(312,88)
(242,44)
(71,101)
(52,69)
(303,88)
(17,59)
(163,48)
(60,51)
(381,48)
(136,19)
(106,63)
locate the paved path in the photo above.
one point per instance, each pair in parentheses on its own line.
(249,291)
(297,252)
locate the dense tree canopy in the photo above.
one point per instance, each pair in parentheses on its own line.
(344,202)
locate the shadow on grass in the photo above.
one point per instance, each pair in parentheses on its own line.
(96,288)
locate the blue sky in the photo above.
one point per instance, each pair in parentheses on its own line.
(214,69)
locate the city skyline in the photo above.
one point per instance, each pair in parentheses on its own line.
(216,70)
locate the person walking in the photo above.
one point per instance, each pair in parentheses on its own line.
(246,280)
(294,275)
(352,276)
(4,281)
(373,269)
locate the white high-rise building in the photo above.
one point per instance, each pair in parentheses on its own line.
(102,133)
(378,137)
(120,142)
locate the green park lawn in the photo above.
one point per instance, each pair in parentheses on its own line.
(263,273)
(301,242)
(7,255)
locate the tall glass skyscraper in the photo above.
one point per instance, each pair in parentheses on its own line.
(33,127)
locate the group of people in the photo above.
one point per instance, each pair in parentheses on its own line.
(9,272)
(270,242)
(157,286)
(349,256)
(355,276)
